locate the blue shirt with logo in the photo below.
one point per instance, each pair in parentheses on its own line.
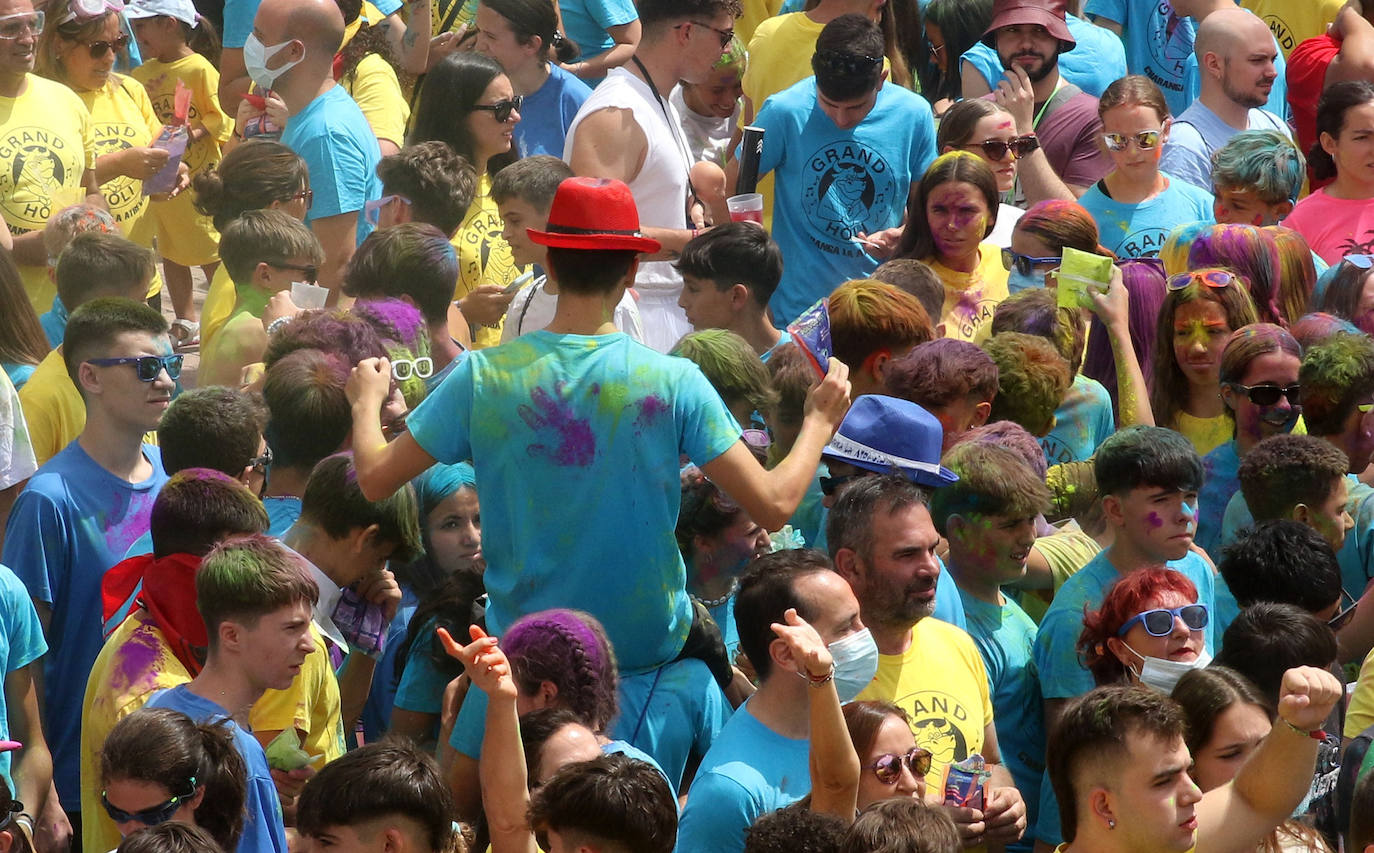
(1139,230)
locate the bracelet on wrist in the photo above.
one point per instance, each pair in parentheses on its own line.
(1315,734)
(818,680)
(276,324)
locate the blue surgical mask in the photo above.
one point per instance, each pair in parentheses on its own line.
(1017,282)
(856,662)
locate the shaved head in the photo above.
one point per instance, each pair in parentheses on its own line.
(1225,32)
(317,23)
(1235,56)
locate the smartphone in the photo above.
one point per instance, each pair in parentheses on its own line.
(514,286)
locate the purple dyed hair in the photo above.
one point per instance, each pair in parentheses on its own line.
(336,332)
(569,649)
(1252,254)
(1013,437)
(1145,287)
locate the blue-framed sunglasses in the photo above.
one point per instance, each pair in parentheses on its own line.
(1024,263)
(1364,262)
(1159,622)
(149,367)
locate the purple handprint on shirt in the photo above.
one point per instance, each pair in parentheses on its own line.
(576,445)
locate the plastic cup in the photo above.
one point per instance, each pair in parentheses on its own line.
(308,296)
(746,208)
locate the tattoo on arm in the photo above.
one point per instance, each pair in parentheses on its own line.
(409,39)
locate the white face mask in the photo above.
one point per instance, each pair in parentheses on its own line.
(255,56)
(1163,674)
(856,662)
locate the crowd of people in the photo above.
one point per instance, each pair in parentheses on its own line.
(525,457)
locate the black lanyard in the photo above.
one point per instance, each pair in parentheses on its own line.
(673,130)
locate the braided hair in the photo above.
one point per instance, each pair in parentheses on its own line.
(569,649)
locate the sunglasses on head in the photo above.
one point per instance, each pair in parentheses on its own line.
(1024,264)
(502,109)
(888,767)
(1159,622)
(1364,262)
(404,368)
(151,816)
(1268,395)
(1144,140)
(996,149)
(1211,278)
(20,24)
(149,367)
(98,49)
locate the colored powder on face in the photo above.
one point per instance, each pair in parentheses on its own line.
(1155,520)
(1190,510)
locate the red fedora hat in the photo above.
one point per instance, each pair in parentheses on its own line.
(594,213)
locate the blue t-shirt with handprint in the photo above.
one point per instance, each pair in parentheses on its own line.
(576,441)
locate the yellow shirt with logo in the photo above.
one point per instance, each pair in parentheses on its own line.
(1294,22)
(971,297)
(47,143)
(483,255)
(183,234)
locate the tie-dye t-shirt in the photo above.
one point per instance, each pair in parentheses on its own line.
(72,523)
(575,440)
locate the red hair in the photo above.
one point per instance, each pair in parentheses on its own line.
(1141,590)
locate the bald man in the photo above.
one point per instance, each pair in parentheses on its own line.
(1236,56)
(297,40)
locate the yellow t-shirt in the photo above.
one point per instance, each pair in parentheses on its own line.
(971,297)
(1360,715)
(52,407)
(47,143)
(483,255)
(218,307)
(183,234)
(377,91)
(755,13)
(1206,434)
(1292,23)
(941,683)
(1066,550)
(136,662)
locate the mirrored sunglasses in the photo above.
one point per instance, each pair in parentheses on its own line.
(888,767)
(1159,622)
(1144,140)
(1364,262)
(1211,278)
(149,367)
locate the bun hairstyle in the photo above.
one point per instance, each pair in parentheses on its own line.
(251,177)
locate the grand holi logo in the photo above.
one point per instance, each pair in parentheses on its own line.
(123,194)
(848,190)
(941,724)
(1170,38)
(36,168)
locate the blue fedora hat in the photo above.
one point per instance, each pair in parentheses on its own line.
(891,435)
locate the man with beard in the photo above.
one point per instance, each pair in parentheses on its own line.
(1236,60)
(1028,36)
(883,543)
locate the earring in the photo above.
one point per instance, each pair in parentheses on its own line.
(1111,824)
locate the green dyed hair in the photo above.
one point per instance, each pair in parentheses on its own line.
(731,366)
(335,503)
(1032,379)
(1263,161)
(245,578)
(1336,375)
(734,56)
(992,481)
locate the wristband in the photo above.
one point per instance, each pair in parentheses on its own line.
(276,324)
(818,681)
(1315,734)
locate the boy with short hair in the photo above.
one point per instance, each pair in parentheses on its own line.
(918,279)
(728,275)
(308,418)
(382,796)
(255,598)
(61,229)
(1301,478)
(428,182)
(989,517)
(264,252)
(1256,178)
(1032,379)
(956,381)
(608,804)
(872,323)
(523,192)
(95,265)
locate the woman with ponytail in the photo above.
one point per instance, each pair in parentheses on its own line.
(158,766)
(1338,220)
(523,36)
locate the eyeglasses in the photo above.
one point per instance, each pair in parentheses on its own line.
(996,149)
(312,272)
(1341,619)
(725,35)
(888,767)
(831,485)
(1268,395)
(935,49)
(98,49)
(151,816)
(1144,140)
(20,24)
(372,211)
(1160,621)
(502,109)
(1212,278)
(1023,263)
(149,367)
(306,195)
(1364,262)
(404,368)
(261,463)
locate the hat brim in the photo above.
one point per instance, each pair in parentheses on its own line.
(605,242)
(933,479)
(1052,23)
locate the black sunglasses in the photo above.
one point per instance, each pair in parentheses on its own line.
(724,35)
(1159,622)
(261,463)
(1341,619)
(996,149)
(99,48)
(831,485)
(312,272)
(888,767)
(502,109)
(151,816)
(149,367)
(1268,395)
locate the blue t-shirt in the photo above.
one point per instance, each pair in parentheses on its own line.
(1199,132)
(750,771)
(724,616)
(1159,43)
(833,184)
(1222,480)
(1062,673)
(677,712)
(1082,422)
(341,152)
(1005,637)
(263,831)
(586,22)
(1095,62)
(1139,230)
(54,322)
(548,112)
(602,421)
(282,512)
(21,643)
(19,373)
(238,21)
(422,684)
(67,528)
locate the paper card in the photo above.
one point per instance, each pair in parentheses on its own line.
(1079,273)
(811,331)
